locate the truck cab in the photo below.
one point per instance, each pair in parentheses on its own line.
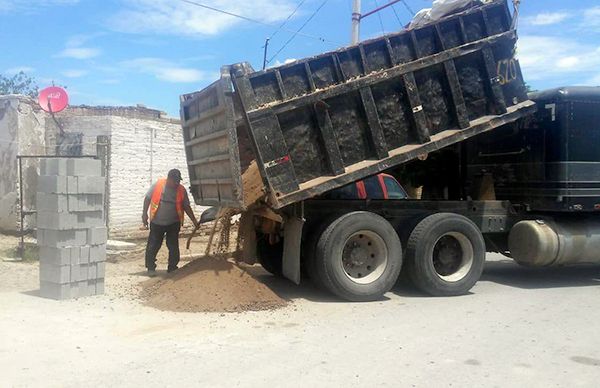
(380,186)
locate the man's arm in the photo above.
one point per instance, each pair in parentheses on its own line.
(187,208)
(147,200)
(145,211)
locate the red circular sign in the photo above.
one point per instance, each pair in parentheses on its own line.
(53,99)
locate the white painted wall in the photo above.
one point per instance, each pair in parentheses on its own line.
(141,152)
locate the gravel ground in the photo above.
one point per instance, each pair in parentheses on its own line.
(518,327)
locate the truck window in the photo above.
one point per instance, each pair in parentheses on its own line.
(395,191)
(346,192)
(373,188)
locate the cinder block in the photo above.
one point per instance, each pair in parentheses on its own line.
(56,221)
(99,286)
(91,185)
(51,202)
(83,289)
(85,202)
(84,167)
(89,219)
(79,273)
(101,269)
(62,238)
(55,256)
(59,274)
(84,255)
(55,291)
(97,236)
(97,253)
(52,184)
(67,221)
(92,271)
(91,287)
(79,289)
(53,166)
(75,254)
(72,185)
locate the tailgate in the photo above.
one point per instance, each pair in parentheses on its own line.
(211,144)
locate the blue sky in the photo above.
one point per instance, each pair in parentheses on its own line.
(124,52)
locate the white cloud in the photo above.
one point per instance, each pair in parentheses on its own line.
(178,18)
(568,62)
(74,73)
(74,47)
(18,69)
(79,52)
(548,18)
(167,71)
(545,57)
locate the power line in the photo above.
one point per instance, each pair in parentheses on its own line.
(256,21)
(397,17)
(408,8)
(379,16)
(287,19)
(298,31)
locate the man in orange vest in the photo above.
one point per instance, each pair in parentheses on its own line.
(164,206)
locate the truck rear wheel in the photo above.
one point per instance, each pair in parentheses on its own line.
(358,256)
(445,255)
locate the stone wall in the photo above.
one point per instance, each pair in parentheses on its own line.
(8,160)
(21,133)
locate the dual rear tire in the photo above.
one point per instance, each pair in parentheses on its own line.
(445,255)
(358,256)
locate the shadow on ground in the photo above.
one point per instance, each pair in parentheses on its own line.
(508,273)
(289,291)
(505,272)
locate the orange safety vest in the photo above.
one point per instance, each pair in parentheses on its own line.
(157,195)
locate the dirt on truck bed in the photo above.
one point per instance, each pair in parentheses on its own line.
(210,284)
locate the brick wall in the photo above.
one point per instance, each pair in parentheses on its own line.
(141,152)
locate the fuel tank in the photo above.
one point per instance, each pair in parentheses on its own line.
(543,243)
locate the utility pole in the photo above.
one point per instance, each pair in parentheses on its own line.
(355,37)
(357,17)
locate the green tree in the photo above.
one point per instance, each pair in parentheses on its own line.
(19,83)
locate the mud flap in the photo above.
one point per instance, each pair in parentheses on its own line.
(292,237)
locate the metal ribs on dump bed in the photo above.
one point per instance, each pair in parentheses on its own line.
(322,122)
(211,149)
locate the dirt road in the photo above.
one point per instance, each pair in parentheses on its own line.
(519,327)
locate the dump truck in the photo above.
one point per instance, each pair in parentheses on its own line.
(417,105)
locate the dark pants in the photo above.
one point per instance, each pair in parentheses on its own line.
(155,239)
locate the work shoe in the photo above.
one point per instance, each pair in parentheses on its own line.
(151,273)
(169,270)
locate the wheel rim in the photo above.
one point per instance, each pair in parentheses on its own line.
(364,257)
(452,256)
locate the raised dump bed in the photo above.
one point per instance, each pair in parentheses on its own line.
(322,122)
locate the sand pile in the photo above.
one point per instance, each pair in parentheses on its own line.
(209,284)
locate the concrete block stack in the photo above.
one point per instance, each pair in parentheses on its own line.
(71,231)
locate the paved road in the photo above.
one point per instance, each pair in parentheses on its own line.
(518,328)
